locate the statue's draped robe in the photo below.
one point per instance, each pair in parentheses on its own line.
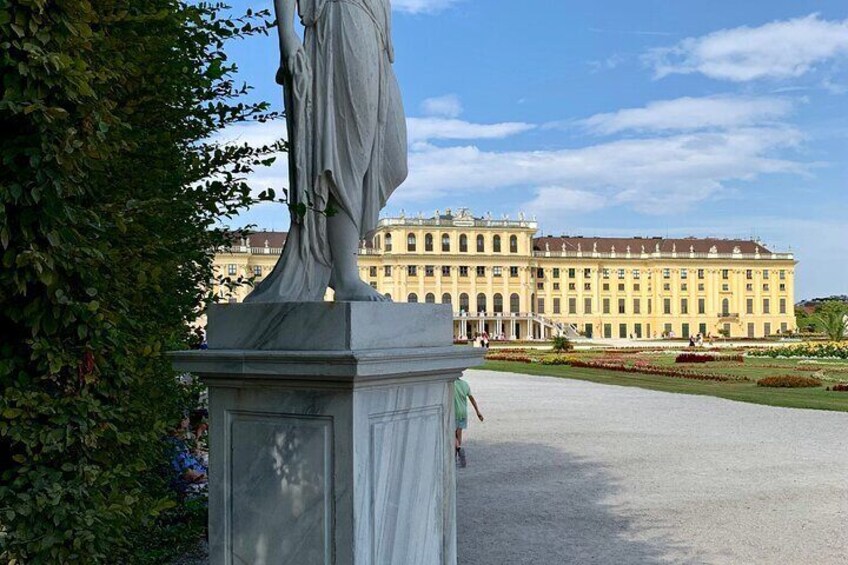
(347,136)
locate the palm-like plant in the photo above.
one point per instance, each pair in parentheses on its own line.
(833,317)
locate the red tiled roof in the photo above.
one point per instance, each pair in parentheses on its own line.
(605,244)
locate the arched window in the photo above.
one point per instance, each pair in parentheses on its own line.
(463,243)
(725,307)
(388,295)
(513,244)
(496,244)
(514,303)
(445,242)
(481,302)
(412,298)
(430,298)
(388,242)
(481,244)
(463,302)
(446,298)
(497,303)
(428,242)
(410,242)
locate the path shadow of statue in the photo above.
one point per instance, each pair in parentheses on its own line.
(528,503)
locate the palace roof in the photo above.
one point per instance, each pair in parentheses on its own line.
(682,245)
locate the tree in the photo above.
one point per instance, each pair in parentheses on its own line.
(109,201)
(833,318)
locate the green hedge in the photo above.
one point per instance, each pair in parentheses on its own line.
(108,200)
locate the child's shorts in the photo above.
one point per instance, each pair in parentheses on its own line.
(462,424)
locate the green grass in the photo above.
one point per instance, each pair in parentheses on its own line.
(813,398)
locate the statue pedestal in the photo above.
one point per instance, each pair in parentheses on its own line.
(331,432)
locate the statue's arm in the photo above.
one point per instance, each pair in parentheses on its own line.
(289,41)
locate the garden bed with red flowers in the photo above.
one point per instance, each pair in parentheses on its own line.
(789,381)
(653,370)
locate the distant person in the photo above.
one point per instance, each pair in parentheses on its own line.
(691,341)
(461,396)
(189,473)
(485,339)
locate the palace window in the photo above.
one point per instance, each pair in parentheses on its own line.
(666,286)
(783,306)
(684,305)
(231,269)
(666,273)
(556,286)
(497,271)
(587,305)
(387,271)
(725,307)
(701,287)
(412,270)
(388,242)
(513,244)
(749,287)
(496,244)
(637,306)
(513,272)
(428,242)
(410,242)
(429,270)
(372,271)
(446,270)
(606,306)
(572,286)
(446,298)
(497,302)
(514,303)
(605,273)
(782,275)
(749,274)
(749,306)
(725,287)
(556,305)
(463,302)
(572,306)
(702,306)
(572,273)
(481,302)
(257,271)
(540,286)
(463,271)
(412,298)
(622,306)
(445,243)
(684,274)
(540,273)
(637,287)
(606,287)
(620,287)
(667,306)
(587,273)
(430,298)
(725,274)
(587,286)
(765,274)
(701,274)
(481,271)
(463,243)
(481,244)
(766,306)
(541,305)
(636,274)
(621,274)
(684,287)
(766,287)
(782,287)
(555,273)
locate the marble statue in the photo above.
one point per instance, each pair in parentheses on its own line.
(347,144)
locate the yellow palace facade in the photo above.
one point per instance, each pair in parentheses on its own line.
(502,278)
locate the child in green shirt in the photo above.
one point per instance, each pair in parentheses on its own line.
(461,396)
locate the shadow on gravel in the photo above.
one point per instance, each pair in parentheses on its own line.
(522,503)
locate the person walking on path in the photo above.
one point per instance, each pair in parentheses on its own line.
(461,396)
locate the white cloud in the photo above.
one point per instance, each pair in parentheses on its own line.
(654,175)
(421,6)
(691,114)
(779,50)
(447,106)
(423,129)
(558,201)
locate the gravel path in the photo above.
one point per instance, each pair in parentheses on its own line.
(568,471)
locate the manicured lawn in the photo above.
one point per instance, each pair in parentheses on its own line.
(743,391)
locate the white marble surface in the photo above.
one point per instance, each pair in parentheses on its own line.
(340,457)
(328,326)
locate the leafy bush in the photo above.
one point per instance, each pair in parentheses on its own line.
(108,197)
(789,381)
(561,344)
(694,358)
(812,350)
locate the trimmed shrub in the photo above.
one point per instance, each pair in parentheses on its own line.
(562,344)
(789,381)
(694,358)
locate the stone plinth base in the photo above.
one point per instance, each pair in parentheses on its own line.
(331,456)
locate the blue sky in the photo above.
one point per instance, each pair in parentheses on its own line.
(619,118)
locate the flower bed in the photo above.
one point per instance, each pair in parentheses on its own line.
(826,350)
(504,356)
(557,360)
(841,387)
(702,358)
(789,381)
(652,370)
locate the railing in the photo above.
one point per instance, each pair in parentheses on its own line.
(666,255)
(457,222)
(728,316)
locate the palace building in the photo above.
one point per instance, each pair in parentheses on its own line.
(504,279)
